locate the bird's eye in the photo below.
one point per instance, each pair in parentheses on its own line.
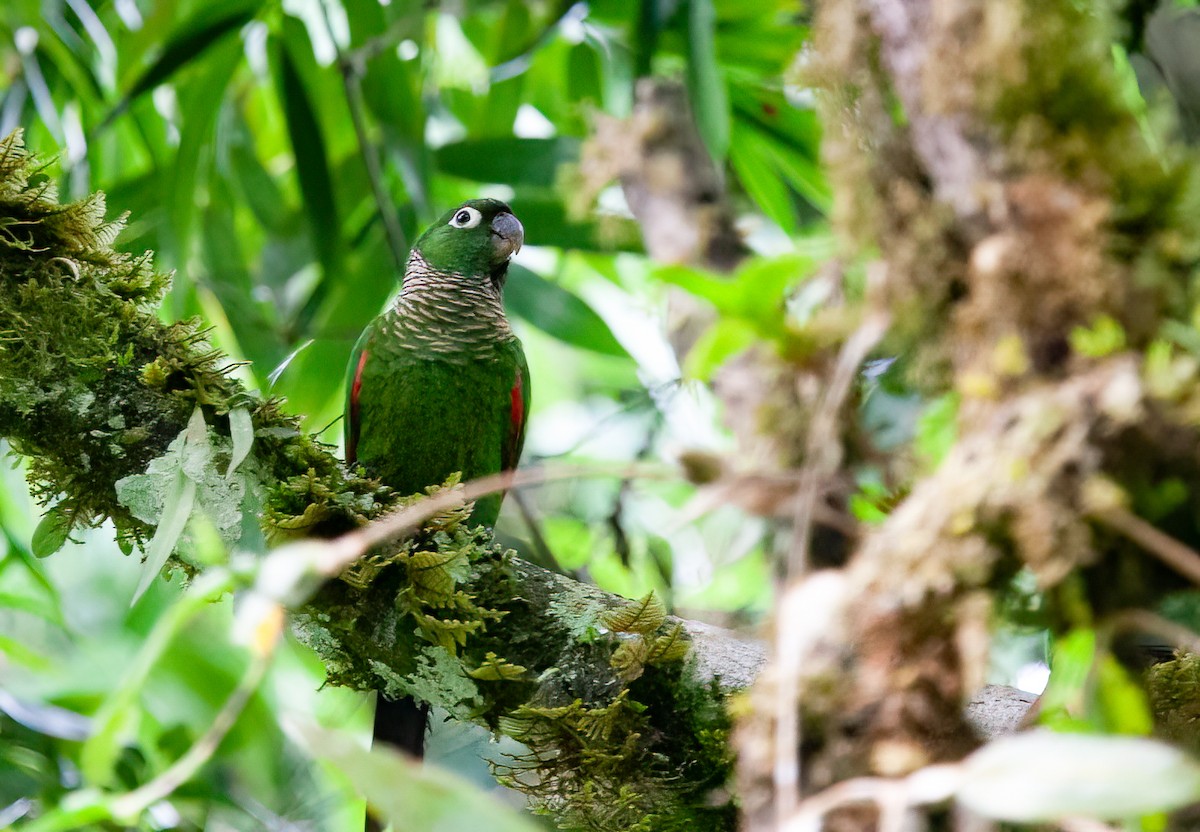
(466,217)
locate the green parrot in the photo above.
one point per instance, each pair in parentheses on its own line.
(438,383)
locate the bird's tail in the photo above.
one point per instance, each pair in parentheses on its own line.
(400,723)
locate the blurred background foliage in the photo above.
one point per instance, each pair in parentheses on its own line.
(279,156)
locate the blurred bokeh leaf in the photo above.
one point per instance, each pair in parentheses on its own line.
(558,312)
(411,796)
(1042,777)
(507,160)
(706,87)
(194,37)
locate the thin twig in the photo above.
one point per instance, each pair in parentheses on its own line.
(535,530)
(1180,557)
(135,802)
(615,517)
(1144,621)
(823,448)
(894,797)
(823,455)
(329,557)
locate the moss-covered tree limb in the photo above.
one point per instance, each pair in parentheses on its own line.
(622,707)
(1038,255)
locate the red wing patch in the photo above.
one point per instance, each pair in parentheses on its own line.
(516,396)
(355,389)
(511,452)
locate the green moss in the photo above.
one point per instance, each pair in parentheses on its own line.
(1174,689)
(639,746)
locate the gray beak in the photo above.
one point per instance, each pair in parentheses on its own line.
(507,235)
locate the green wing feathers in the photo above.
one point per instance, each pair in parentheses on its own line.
(518,414)
(354,377)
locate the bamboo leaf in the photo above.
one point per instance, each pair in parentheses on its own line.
(508,160)
(756,169)
(706,86)
(188,43)
(312,160)
(558,312)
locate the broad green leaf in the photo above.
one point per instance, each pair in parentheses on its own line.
(259,190)
(312,160)
(458,66)
(506,40)
(756,292)
(231,283)
(1042,777)
(585,80)
(509,160)
(390,87)
(1070,665)
(763,284)
(200,101)
(51,533)
(15,650)
(557,312)
(717,290)
(706,86)
(547,224)
(407,794)
(1104,337)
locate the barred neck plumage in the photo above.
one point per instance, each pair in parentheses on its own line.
(447,313)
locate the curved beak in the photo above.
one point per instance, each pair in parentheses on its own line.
(507,235)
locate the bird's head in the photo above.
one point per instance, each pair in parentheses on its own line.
(477,237)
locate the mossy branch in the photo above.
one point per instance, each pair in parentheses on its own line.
(109,406)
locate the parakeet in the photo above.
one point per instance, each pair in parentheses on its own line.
(438,383)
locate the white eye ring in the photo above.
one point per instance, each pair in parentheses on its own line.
(466,217)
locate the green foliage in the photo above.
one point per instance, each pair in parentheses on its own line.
(1104,337)
(51,533)
(411,795)
(937,429)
